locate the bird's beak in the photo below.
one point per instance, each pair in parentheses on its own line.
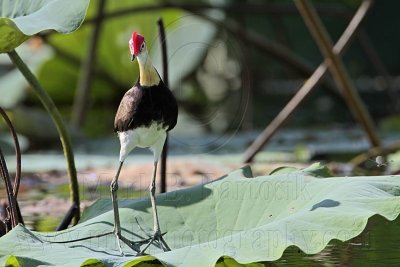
(133,58)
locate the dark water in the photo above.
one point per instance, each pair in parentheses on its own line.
(378,245)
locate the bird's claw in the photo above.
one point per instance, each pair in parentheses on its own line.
(157,236)
(118,238)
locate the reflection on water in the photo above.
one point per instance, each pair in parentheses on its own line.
(378,245)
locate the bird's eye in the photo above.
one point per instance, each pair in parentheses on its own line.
(141,47)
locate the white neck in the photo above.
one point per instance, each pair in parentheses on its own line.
(148,74)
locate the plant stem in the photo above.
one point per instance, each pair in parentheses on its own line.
(338,70)
(59,123)
(163,43)
(82,95)
(12,201)
(17,148)
(308,86)
(4,170)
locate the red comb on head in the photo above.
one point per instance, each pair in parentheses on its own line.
(135,42)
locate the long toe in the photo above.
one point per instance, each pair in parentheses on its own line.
(157,237)
(117,237)
(163,244)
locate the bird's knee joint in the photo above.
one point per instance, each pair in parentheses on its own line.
(114,186)
(152,188)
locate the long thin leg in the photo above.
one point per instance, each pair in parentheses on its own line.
(117,223)
(156,225)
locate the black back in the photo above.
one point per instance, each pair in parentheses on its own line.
(141,106)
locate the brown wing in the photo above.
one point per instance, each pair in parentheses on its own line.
(127,109)
(170,109)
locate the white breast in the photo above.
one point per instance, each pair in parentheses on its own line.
(152,137)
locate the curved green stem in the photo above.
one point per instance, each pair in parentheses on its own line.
(58,121)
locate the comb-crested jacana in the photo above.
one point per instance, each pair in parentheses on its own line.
(146,113)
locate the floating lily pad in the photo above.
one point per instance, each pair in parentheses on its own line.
(235,220)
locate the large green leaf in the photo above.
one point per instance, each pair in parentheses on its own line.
(316,170)
(229,221)
(20,19)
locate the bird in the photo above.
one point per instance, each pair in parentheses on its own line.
(145,114)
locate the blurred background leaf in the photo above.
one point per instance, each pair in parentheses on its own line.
(20,19)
